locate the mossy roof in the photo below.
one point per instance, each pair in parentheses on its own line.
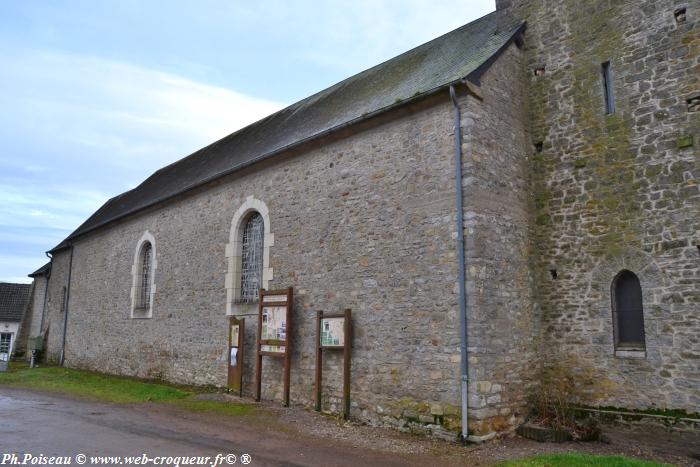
(464,53)
(13,301)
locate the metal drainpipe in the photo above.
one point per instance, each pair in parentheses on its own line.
(65,310)
(464,380)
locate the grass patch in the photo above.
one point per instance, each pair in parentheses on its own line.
(92,385)
(117,389)
(226,408)
(665,412)
(578,460)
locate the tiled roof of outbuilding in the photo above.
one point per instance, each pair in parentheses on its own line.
(464,53)
(13,301)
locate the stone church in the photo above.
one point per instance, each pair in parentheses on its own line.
(521,189)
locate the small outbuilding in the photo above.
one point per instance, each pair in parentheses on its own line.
(14,299)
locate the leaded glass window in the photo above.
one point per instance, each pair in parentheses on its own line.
(144,290)
(252,258)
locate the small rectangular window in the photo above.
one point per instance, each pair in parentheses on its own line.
(608,88)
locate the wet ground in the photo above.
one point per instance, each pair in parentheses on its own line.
(55,425)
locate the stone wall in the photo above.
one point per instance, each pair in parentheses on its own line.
(54,306)
(31,324)
(37,307)
(20,344)
(617,191)
(502,320)
(365,220)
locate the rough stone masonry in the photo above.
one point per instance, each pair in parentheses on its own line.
(559,197)
(618,191)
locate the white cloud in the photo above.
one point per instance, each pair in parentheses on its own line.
(57,207)
(10,265)
(111,108)
(81,129)
(110,116)
(370,31)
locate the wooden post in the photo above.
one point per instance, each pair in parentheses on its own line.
(347,350)
(230,342)
(319,361)
(258,354)
(288,345)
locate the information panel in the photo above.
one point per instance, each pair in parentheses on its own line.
(274,334)
(235,354)
(334,331)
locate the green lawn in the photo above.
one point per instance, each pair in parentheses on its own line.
(578,460)
(91,385)
(112,388)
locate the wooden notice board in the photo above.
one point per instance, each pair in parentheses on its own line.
(334,331)
(236,331)
(274,334)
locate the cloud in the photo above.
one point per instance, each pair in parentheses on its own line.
(55,207)
(109,108)
(14,268)
(78,130)
(369,31)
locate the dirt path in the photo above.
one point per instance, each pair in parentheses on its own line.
(49,424)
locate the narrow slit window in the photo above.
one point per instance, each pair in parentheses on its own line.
(608,88)
(64,295)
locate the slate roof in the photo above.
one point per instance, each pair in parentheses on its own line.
(13,301)
(42,271)
(464,53)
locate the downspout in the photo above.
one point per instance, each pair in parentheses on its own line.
(464,366)
(65,308)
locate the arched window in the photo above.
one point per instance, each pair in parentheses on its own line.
(628,312)
(248,256)
(143,287)
(144,292)
(252,258)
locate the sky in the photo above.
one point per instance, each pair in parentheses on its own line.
(96,96)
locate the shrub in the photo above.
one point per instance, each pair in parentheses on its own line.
(563,385)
